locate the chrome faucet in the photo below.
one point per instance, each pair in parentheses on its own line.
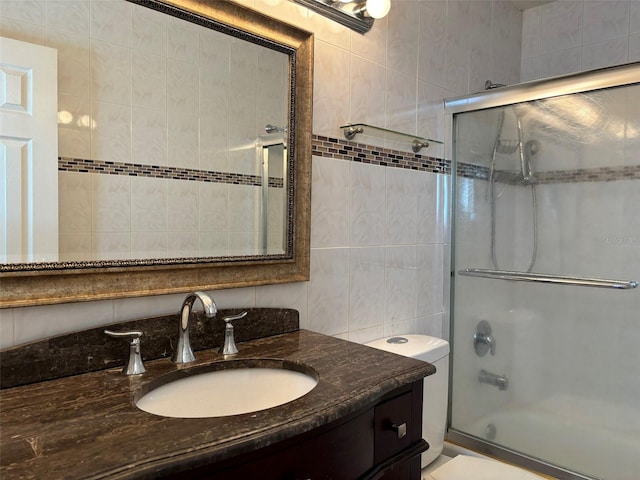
(499,381)
(229,347)
(183,352)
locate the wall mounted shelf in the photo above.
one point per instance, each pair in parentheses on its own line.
(417,143)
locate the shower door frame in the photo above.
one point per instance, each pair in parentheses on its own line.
(617,76)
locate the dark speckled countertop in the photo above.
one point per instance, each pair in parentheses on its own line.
(87,425)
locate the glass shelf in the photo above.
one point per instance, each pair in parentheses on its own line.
(417,143)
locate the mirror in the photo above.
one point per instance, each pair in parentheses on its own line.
(216,210)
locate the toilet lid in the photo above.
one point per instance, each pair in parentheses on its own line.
(424,347)
(465,467)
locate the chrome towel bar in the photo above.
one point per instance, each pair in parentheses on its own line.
(548,278)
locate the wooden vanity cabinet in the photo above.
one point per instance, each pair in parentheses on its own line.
(364,445)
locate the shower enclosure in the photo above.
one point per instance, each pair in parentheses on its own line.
(546,259)
(273,163)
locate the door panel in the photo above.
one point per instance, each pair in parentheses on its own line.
(28,152)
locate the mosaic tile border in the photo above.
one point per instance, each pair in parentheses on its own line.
(469,170)
(602,174)
(359,152)
(328,147)
(81,165)
(581,175)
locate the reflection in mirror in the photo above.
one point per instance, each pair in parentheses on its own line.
(180,125)
(272,156)
(160,123)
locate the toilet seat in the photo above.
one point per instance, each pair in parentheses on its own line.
(465,467)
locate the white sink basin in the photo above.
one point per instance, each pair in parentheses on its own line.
(231,391)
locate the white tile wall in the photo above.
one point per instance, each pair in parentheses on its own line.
(368,205)
(329,196)
(568,36)
(379,235)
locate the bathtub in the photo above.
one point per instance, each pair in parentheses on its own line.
(570,432)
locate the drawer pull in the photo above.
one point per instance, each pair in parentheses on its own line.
(401,429)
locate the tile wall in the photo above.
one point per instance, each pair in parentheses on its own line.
(568,36)
(380,247)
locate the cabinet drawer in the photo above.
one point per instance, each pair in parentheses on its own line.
(394,426)
(342,453)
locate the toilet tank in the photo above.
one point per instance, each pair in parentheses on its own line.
(436,386)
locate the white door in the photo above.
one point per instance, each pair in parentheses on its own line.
(28,152)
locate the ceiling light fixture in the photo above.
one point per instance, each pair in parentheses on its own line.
(358,15)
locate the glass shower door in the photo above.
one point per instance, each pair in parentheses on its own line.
(546,313)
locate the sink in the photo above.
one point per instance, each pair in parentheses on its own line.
(231,388)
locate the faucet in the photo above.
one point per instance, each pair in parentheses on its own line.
(229,347)
(499,381)
(183,352)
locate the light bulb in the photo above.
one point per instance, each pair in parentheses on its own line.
(378,8)
(65,117)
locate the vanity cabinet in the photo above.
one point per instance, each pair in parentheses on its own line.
(362,421)
(380,441)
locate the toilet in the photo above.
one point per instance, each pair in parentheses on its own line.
(436,391)
(434,414)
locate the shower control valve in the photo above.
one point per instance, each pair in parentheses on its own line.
(483,341)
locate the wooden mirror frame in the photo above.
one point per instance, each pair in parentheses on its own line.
(56,285)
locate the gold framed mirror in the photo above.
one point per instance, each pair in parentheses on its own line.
(38,283)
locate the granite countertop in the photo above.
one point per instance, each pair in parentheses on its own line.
(87,425)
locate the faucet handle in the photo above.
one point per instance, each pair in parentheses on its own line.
(134,365)
(229,347)
(231,318)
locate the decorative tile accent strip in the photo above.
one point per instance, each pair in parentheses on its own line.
(602,174)
(359,152)
(67,164)
(355,152)
(469,170)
